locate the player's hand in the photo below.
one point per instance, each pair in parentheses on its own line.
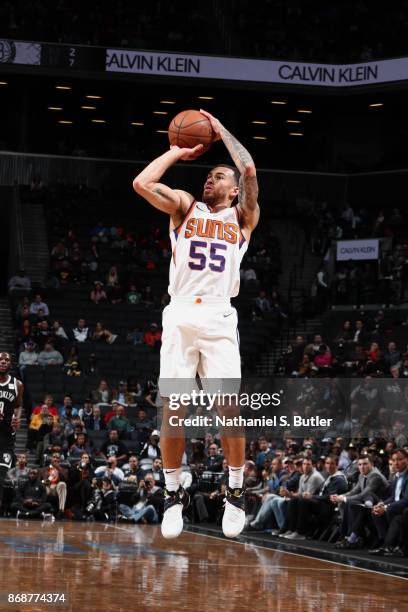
(15,422)
(215,124)
(187,154)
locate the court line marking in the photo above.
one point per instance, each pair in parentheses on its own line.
(297,555)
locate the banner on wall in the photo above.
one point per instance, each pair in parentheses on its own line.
(265,71)
(357,249)
(17,52)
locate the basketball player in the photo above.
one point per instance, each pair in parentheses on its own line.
(11,400)
(209,239)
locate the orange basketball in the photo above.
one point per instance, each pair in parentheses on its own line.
(190,128)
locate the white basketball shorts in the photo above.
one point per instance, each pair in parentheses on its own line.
(200,335)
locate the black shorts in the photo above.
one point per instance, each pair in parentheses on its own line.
(6,451)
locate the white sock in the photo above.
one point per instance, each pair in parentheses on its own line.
(236,477)
(172,478)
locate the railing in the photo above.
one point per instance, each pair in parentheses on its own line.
(16,248)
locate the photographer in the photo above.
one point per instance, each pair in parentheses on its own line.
(31,498)
(147,503)
(102,506)
(111,471)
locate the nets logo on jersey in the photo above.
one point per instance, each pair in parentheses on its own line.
(211,228)
(7,52)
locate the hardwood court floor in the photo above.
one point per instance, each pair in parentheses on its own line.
(130,568)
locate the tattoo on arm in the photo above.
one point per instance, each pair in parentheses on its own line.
(160,193)
(238,152)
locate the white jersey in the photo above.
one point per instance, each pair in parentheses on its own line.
(207,250)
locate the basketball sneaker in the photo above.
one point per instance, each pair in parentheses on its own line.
(233,520)
(175,502)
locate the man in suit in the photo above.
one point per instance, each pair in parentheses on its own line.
(317,506)
(370,487)
(387,515)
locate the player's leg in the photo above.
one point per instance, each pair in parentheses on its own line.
(220,361)
(178,365)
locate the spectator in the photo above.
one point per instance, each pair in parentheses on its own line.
(309,483)
(100,233)
(153,336)
(97,423)
(318,509)
(59,332)
(121,394)
(213,463)
(120,422)
(135,337)
(34,436)
(31,498)
(81,332)
(113,447)
(392,356)
(102,505)
(151,449)
(86,412)
(81,445)
(49,356)
(387,514)
(19,282)
(101,334)
(67,409)
(28,357)
(49,401)
(370,487)
(80,483)
(54,442)
(38,305)
(98,293)
(132,471)
(55,477)
(157,471)
(102,395)
(19,473)
(133,296)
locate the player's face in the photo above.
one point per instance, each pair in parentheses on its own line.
(5,363)
(220,186)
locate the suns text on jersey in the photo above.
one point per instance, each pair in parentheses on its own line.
(211,228)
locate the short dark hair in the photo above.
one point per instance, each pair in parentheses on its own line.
(400,450)
(235,170)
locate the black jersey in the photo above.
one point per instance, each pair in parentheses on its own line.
(8,400)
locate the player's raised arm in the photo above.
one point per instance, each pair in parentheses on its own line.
(248,196)
(171,201)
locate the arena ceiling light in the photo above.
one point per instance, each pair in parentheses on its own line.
(167,102)
(93,97)
(278,102)
(137,123)
(3,83)
(376,105)
(55,108)
(305,111)
(98,120)
(160,113)
(65,122)
(296,134)
(259,122)
(64,87)
(89,107)
(293,121)
(161,131)
(259,137)
(205,97)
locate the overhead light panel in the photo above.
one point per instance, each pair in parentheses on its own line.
(65,122)
(278,102)
(137,123)
(63,87)
(305,111)
(259,122)
(98,120)
(259,137)
(296,134)
(160,113)
(205,97)
(88,107)
(94,97)
(3,83)
(376,105)
(167,102)
(161,131)
(293,121)
(55,108)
